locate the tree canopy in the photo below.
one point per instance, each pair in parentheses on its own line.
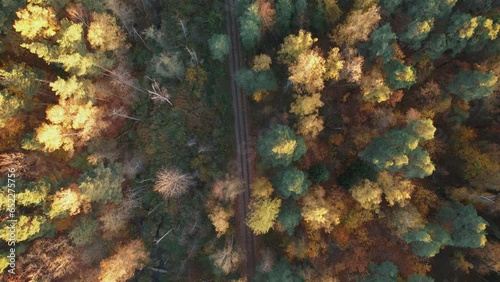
(279,146)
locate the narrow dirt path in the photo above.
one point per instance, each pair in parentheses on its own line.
(246,236)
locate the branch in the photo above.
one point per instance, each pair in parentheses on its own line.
(183,29)
(158,270)
(159,94)
(158,241)
(151,211)
(192,53)
(140,37)
(486,198)
(121,113)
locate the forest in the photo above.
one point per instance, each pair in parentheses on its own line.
(249,140)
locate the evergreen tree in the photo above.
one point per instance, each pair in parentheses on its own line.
(486,31)
(399,75)
(219,46)
(416,32)
(419,278)
(390,6)
(252,81)
(381,43)
(468,229)
(461,28)
(11,106)
(283,16)
(84,232)
(250,27)
(289,217)
(398,150)
(436,45)
(318,173)
(291,182)
(283,271)
(279,146)
(428,241)
(473,85)
(426,9)
(102,184)
(385,272)
(327,14)
(419,164)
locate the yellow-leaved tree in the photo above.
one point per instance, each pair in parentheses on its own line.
(263,213)
(261,187)
(220,216)
(294,46)
(70,124)
(36,21)
(307,73)
(318,211)
(104,34)
(122,265)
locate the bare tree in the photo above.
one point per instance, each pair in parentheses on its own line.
(227,189)
(132,200)
(171,183)
(12,160)
(122,78)
(159,94)
(137,34)
(121,112)
(102,150)
(156,35)
(47,260)
(194,57)
(267,260)
(122,11)
(228,258)
(133,166)
(78,13)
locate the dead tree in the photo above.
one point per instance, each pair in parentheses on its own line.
(120,112)
(172,183)
(159,94)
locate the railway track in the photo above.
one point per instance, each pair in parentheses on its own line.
(247,237)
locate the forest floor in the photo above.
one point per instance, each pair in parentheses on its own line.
(246,236)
